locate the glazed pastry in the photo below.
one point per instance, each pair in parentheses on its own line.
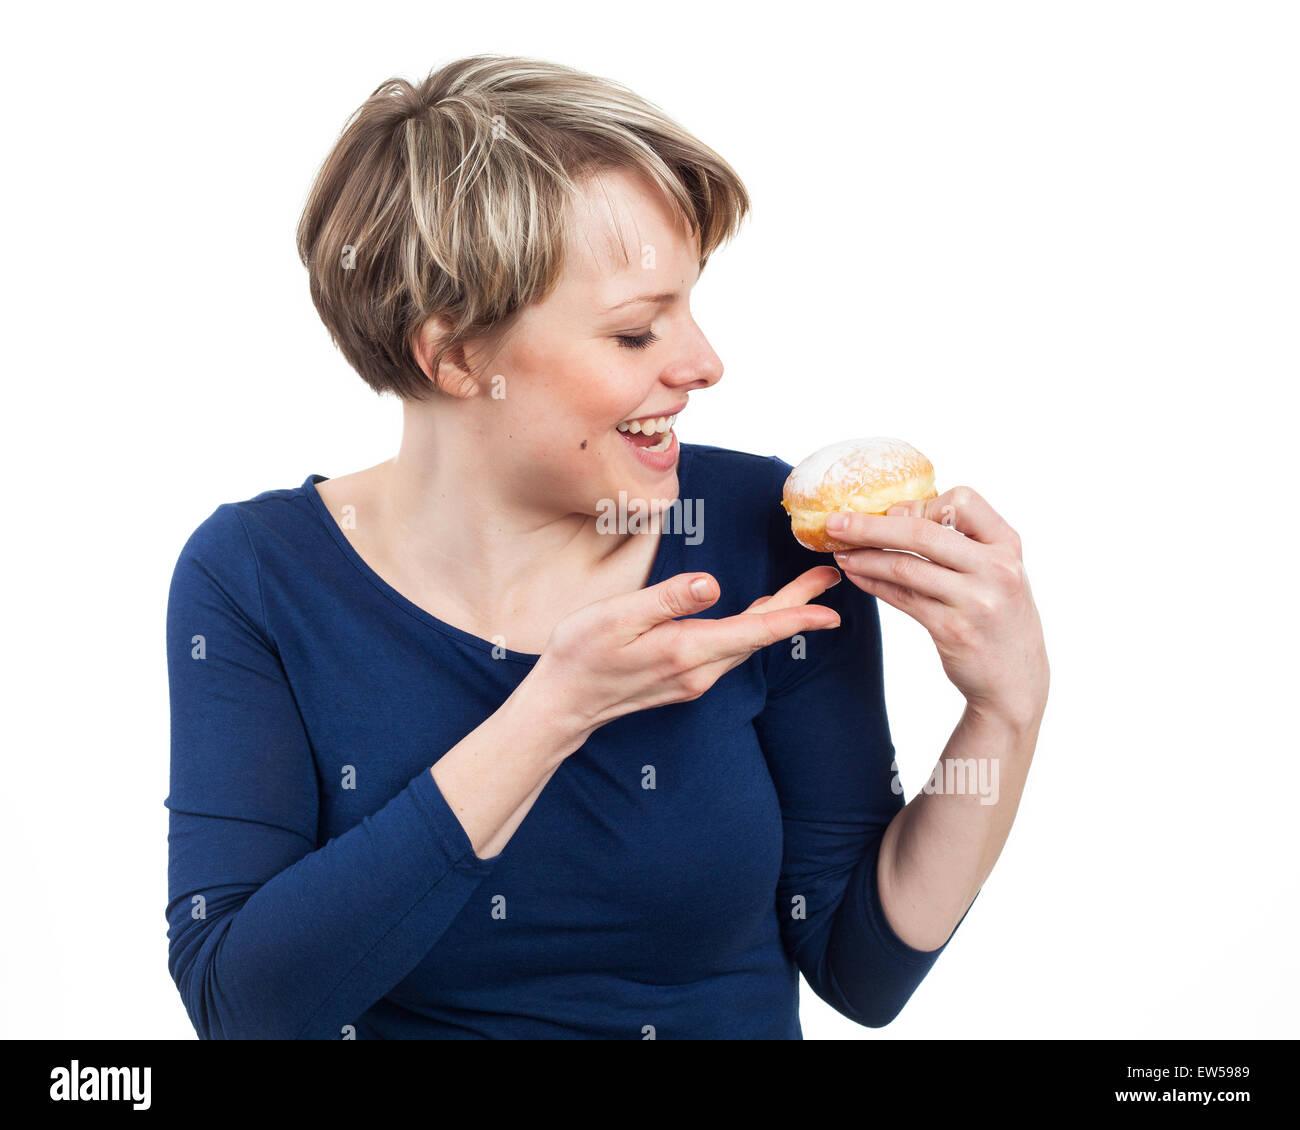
(867,475)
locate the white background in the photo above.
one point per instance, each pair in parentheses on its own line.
(1054,245)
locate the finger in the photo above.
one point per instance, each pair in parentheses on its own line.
(682,595)
(905,570)
(802,589)
(916,535)
(746,632)
(964,510)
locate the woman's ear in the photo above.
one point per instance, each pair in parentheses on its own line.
(454,376)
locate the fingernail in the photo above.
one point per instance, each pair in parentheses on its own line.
(896,512)
(835,522)
(841,555)
(701,589)
(838,578)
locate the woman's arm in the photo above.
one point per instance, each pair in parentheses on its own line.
(271,936)
(825,735)
(940,848)
(955,566)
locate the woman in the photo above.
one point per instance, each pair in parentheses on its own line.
(455,756)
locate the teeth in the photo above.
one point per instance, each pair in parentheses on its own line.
(651,426)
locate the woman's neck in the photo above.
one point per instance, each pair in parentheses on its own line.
(442,511)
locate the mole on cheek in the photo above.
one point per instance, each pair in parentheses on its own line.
(583,445)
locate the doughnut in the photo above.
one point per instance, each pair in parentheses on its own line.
(867,475)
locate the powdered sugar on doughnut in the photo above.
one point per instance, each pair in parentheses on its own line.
(854,462)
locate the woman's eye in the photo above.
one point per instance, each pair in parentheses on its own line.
(639,342)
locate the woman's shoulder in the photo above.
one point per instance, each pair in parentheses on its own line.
(741,507)
(736,497)
(730,477)
(234,528)
(740,465)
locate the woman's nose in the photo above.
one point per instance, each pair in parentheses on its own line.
(700,368)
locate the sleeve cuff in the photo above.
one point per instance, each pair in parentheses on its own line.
(445,826)
(874,912)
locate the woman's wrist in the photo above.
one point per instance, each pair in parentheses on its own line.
(491,778)
(1016,719)
(542,709)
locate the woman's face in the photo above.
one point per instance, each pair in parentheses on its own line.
(599,352)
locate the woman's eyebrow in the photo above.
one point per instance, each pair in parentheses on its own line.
(666,297)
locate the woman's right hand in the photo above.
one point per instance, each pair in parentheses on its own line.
(630,652)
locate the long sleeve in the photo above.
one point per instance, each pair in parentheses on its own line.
(270,935)
(825,735)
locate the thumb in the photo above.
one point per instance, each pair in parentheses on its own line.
(681,595)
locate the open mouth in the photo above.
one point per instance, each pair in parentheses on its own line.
(650,433)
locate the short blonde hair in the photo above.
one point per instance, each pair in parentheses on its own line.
(449,198)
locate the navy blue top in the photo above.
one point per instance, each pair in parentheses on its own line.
(320,886)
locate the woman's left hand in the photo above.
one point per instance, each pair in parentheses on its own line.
(969,592)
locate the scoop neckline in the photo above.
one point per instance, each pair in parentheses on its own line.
(308,488)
